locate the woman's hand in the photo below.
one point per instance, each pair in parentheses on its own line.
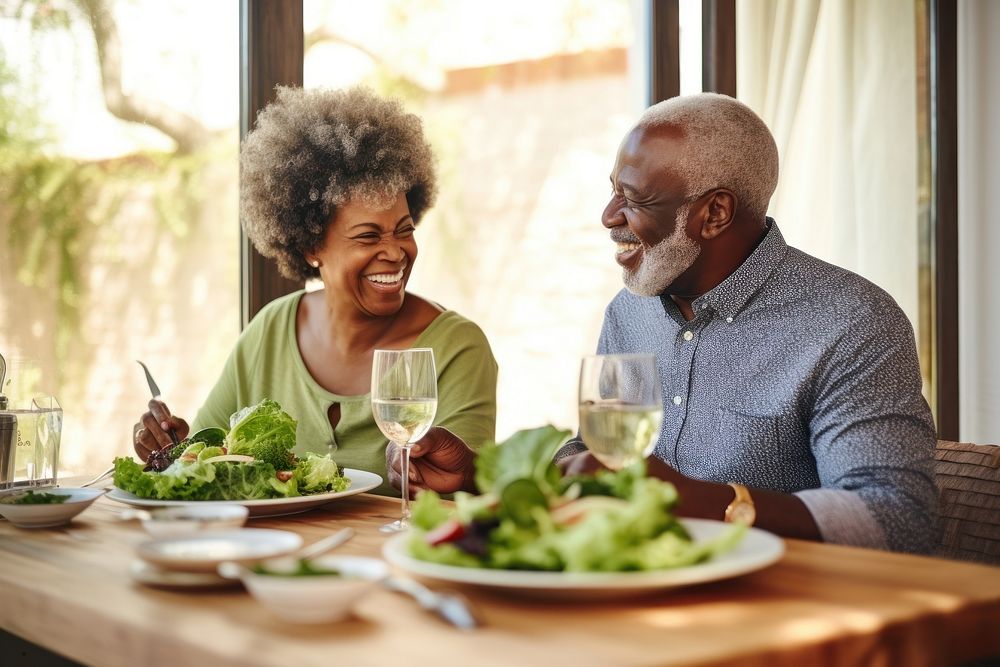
(153,430)
(440,461)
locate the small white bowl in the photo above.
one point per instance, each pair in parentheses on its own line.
(311,599)
(49,515)
(172,521)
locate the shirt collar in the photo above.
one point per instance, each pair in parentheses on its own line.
(730,296)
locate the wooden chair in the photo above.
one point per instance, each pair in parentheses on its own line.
(968,477)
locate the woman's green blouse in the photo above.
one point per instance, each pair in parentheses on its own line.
(266,363)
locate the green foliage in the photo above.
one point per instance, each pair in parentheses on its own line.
(41,14)
(52,207)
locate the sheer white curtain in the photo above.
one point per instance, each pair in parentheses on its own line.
(978,220)
(836,83)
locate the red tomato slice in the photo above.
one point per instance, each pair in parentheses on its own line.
(449,531)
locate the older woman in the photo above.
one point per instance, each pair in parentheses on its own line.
(333,186)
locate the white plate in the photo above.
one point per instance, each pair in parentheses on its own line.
(202,552)
(48,515)
(757,550)
(361,481)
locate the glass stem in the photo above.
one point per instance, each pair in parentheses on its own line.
(404,519)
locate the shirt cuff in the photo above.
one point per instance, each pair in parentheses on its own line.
(843,518)
(574,446)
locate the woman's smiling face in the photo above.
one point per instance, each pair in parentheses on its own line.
(367,255)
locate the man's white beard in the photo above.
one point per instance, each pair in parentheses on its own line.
(665,261)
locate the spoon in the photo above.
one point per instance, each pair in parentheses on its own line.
(308,552)
(229,570)
(320,547)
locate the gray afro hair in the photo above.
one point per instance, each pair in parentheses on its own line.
(314,150)
(726,145)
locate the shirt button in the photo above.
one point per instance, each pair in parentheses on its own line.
(729,319)
(677,400)
(688,335)
(704,306)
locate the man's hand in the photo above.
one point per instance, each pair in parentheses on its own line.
(583,463)
(440,461)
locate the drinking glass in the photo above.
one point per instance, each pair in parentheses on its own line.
(404,401)
(620,407)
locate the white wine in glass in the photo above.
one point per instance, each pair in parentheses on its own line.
(404,402)
(620,407)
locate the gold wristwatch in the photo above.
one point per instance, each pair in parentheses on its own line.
(741,510)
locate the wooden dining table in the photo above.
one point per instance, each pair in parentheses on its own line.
(69,590)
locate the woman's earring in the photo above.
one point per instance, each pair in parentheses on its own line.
(315,263)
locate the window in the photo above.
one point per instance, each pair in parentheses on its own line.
(118,208)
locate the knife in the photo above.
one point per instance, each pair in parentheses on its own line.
(156,394)
(451,607)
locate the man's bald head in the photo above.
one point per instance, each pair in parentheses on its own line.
(725,145)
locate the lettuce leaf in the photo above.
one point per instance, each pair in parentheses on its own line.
(319,474)
(265,432)
(529,517)
(526,454)
(197,480)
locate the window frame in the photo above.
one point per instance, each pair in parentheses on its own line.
(271,52)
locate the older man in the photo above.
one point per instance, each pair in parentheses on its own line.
(791,387)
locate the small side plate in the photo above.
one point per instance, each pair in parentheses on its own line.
(150,575)
(202,552)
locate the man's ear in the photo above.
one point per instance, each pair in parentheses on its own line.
(720,211)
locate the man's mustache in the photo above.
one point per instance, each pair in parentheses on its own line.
(624,237)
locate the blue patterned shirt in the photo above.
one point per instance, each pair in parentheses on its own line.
(796,376)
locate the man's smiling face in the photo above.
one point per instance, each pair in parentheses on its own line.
(648,212)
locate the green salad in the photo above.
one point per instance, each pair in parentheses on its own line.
(252,460)
(530,517)
(32,498)
(303,568)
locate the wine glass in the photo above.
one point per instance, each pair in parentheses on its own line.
(404,401)
(620,407)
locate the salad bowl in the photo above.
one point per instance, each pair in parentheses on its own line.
(322,591)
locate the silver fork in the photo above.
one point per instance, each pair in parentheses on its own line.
(155,391)
(97,479)
(452,607)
